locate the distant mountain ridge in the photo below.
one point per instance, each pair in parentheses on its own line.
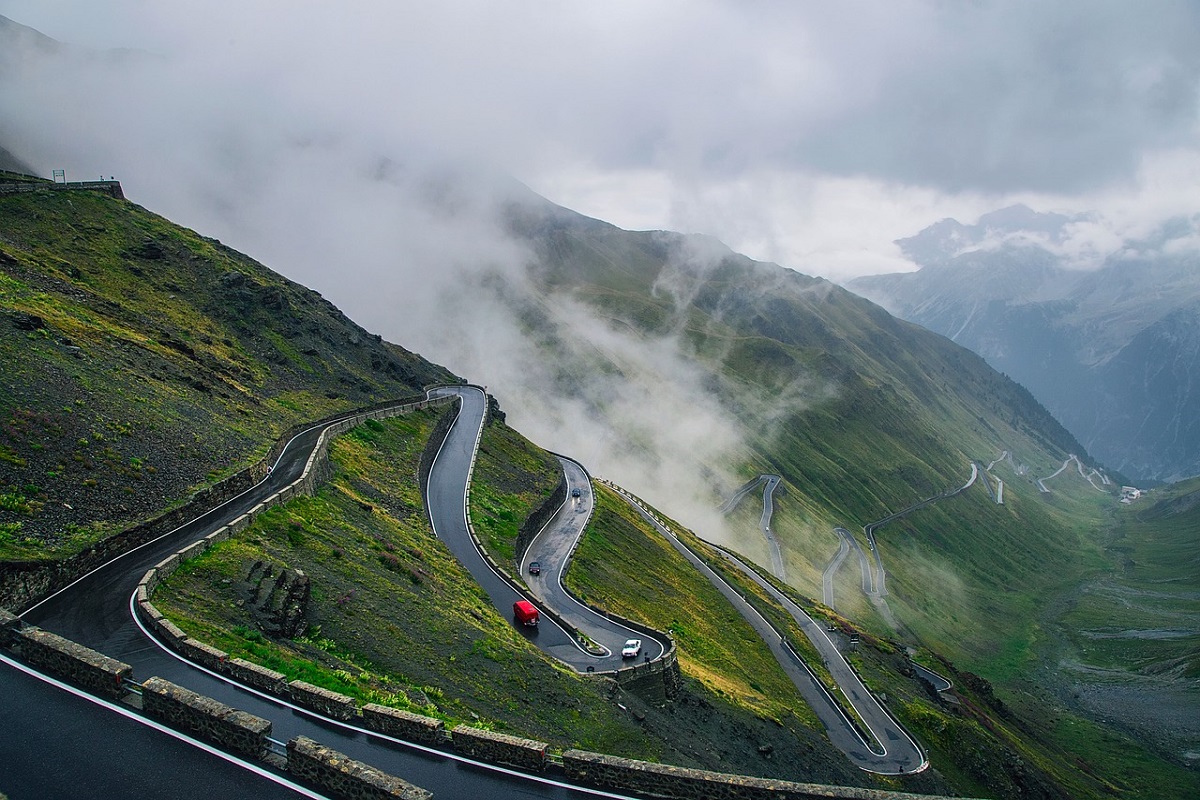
(1111,350)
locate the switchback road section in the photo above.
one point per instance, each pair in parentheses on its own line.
(769,483)
(96,611)
(447,501)
(890,750)
(552,549)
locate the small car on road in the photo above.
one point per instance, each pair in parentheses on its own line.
(632,648)
(535,568)
(576,492)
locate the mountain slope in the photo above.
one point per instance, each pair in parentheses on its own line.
(862,414)
(142,361)
(1109,350)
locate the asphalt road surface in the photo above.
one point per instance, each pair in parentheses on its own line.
(770,484)
(552,548)
(96,611)
(888,749)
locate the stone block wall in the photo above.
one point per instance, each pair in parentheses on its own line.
(655,680)
(261,678)
(323,701)
(208,719)
(499,748)
(344,777)
(9,625)
(73,662)
(534,523)
(404,724)
(680,783)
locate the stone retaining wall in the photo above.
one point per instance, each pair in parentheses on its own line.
(499,748)
(404,724)
(343,776)
(73,662)
(680,783)
(210,720)
(534,523)
(23,583)
(108,187)
(9,625)
(323,701)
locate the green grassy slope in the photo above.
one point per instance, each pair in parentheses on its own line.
(512,479)
(142,361)
(1128,640)
(393,617)
(861,414)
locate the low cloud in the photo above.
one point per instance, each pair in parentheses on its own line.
(326,143)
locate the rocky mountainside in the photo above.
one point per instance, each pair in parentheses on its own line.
(1111,350)
(142,360)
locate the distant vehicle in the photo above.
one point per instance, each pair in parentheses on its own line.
(535,568)
(632,648)
(526,613)
(575,492)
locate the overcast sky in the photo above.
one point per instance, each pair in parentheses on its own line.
(811,134)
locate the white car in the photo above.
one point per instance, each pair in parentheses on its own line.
(632,648)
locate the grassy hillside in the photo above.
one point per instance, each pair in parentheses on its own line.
(393,618)
(142,361)
(1128,640)
(862,415)
(981,742)
(513,477)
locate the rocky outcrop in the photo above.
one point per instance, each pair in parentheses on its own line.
(277,599)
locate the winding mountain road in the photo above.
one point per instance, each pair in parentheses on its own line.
(96,611)
(447,498)
(552,549)
(890,749)
(769,483)
(846,541)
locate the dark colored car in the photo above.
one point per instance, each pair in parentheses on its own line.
(575,492)
(535,568)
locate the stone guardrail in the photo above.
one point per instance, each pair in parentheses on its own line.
(185,710)
(344,777)
(247,735)
(22,583)
(681,783)
(194,714)
(667,664)
(109,187)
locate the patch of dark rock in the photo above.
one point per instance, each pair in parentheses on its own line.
(28,322)
(277,598)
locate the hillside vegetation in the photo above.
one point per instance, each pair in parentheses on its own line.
(860,413)
(143,361)
(1128,641)
(393,618)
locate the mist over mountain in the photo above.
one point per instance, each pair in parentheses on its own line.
(1109,343)
(668,362)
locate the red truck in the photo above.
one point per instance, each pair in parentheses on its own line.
(525,612)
